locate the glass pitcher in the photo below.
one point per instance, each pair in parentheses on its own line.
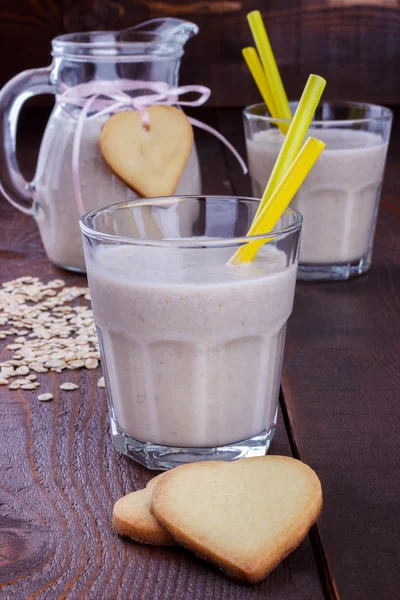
(148,52)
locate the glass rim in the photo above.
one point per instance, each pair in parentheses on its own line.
(387,113)
(147,45)
(184,242)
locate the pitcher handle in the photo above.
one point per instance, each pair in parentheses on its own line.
(14,187)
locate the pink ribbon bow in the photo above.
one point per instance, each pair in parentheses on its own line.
(107,97)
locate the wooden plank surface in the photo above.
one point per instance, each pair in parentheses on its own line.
(341,381)
(356,47)
(60,475)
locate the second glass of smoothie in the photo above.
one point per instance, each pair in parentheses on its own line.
(340,197)
(191,347)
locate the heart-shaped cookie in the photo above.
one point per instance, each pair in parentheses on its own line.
(152,160)
(244,516)
(132,517)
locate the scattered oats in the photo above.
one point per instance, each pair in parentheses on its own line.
(101,383)
(14,386)
(40,360)
(76,364)
(49,335)
(55,364)
(22,370)
(38,368)
(45,397)
(68,386)
(3,381)
(28,386)
(14,346)
(7,372)
(91,363)
(56,283)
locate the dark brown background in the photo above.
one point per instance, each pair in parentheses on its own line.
(355,45)
(59,474)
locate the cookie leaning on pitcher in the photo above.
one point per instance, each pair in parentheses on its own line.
(149,159)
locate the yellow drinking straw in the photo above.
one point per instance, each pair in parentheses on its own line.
(269,63)
(296,134)
(280,199)
(256,69)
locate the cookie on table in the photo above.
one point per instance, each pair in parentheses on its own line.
(132,517)
(245,516)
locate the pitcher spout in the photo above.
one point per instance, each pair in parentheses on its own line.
(167,29)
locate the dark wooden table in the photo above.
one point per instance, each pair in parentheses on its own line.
(340,409)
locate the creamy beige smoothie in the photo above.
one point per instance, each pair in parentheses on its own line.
(192,348)
(58,216)
(339,199)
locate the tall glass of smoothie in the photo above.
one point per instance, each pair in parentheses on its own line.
(191,347)
(340,197)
